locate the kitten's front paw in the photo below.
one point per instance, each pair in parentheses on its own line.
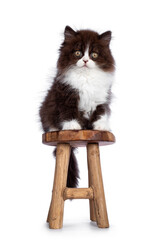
(71,125)
(102,124)
(101,127)
(52,129)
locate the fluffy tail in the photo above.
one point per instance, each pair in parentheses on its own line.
(73,171)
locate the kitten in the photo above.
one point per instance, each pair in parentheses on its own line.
(80,95)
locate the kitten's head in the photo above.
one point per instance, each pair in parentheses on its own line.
(85,49)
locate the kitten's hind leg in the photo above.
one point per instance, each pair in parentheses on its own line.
(71,125)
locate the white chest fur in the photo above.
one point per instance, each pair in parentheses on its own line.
(92,84)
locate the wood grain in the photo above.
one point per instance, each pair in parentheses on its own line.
(78,193)
(97,185)
(55,216)
(78,138)
(91,201)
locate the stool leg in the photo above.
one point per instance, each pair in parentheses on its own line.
(49,213)
(55,216)
(49,210)
(97,184)
(91,202)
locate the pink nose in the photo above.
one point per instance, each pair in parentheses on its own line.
(85,61)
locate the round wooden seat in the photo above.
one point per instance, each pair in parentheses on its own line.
(78,138)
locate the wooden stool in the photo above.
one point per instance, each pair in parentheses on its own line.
(64,140)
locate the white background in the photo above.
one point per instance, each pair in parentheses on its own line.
(31,33)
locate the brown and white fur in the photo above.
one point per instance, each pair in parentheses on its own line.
(80,95)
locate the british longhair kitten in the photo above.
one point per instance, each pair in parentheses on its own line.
(80,95)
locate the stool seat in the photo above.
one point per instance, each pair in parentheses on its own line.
(78,138)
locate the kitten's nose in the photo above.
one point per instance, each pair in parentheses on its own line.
(85,61)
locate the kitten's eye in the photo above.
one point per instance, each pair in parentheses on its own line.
(94,55)
(78,54)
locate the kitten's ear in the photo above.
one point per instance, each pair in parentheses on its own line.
(106,36)
(69,32)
